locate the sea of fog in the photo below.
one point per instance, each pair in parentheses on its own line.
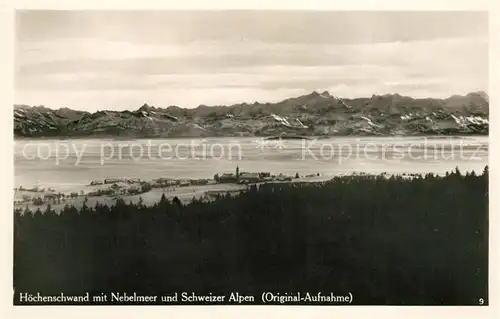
(71,164)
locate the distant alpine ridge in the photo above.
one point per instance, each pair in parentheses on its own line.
(315,114)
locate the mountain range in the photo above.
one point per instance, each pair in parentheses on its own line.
(314,114)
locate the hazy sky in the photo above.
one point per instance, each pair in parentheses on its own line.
(95,60)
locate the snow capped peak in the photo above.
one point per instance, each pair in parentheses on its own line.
(482,94)
(342,102)
(370,122)
(280,119)
(326,95)
(146,107)
(300,123)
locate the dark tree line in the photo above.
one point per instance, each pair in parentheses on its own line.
(386,240)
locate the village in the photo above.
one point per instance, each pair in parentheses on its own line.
(114,188)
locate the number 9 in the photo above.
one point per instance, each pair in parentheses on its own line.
(481,301)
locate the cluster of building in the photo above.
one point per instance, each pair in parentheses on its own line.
(135,186)
(170,183)
(247,178)
(35,189)
(156,183)
(116,181)
(116,189)
(48,198)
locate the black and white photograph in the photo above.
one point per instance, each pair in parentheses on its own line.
(251,157)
